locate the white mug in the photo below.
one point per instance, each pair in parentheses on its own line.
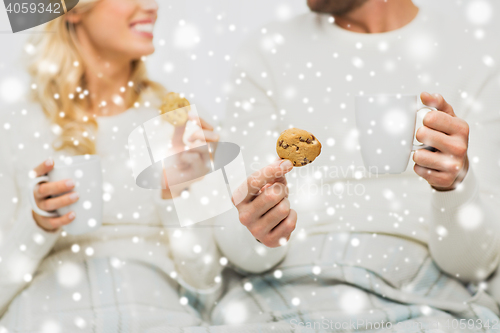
(386,128)
(86,172)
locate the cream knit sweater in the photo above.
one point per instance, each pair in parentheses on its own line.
(139,230)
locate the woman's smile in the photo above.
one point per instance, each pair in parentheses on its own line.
(143,27)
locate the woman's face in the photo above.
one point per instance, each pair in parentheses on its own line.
(121,27)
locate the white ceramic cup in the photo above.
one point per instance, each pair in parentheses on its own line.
(386,128)
(86,172)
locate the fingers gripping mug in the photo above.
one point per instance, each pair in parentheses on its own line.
(386,125)
(86,172)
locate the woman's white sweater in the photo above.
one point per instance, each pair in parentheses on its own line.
(138,226)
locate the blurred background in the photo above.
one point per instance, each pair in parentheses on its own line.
(196,39)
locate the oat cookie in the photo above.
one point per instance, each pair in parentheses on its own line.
(298,146)
(175,109)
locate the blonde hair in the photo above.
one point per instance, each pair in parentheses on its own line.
(57,69)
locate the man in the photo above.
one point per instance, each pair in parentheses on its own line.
(433,228)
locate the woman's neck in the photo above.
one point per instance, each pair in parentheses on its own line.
(378,16)
(106,75)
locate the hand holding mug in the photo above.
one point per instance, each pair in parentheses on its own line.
(42,194)
(54,199)
(445,168)
(263,204)
(386,124)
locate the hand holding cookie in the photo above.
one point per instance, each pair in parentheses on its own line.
(175,109)
(191,159)
(298,146)
(263,204)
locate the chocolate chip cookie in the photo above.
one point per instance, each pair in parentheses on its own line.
(298,146)
(175,109)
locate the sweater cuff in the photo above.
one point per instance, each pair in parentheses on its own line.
(465,192)
(245,254)
(27,237)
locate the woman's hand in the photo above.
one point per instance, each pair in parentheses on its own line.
(263,204)
(185,165)
(42,193)
(443,130)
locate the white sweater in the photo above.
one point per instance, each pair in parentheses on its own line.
(138,226)
(305,73)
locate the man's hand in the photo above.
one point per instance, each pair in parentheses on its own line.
(263,204)
(445,168)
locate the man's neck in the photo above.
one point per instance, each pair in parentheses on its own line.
(377,16)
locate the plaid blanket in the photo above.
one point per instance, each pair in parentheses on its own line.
(347,282)
(328,282)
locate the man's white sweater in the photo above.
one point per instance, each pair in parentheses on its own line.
(305,73)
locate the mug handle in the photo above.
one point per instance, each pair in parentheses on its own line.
(31,195)
(422,146)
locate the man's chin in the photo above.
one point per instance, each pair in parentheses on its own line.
(319,6)
(334,7)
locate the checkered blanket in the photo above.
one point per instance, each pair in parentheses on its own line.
(346,282)
(328,282)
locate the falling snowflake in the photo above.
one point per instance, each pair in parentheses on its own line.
(283,12)
(353,301)
(80,322)
(186,36)
(50,326)
(77,297)
(236,313)
(69,274)
(470,216)
(11,89)
(479,12)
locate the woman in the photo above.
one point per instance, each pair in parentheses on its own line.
(90,91)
